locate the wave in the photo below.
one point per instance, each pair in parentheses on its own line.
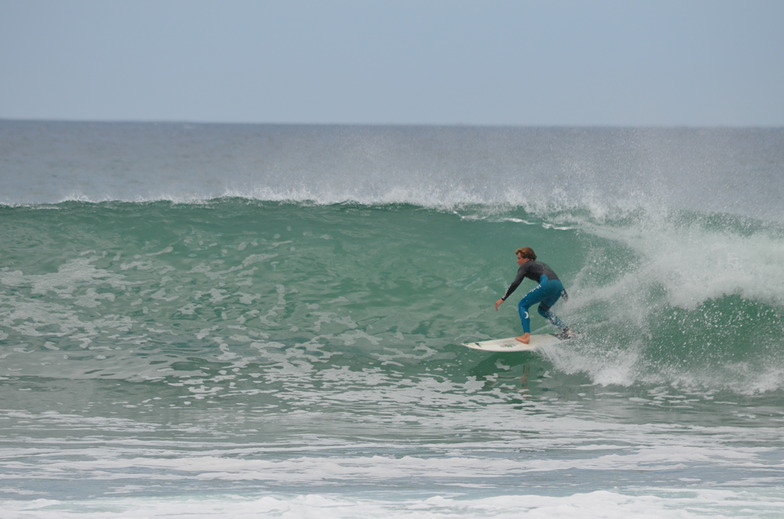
(225,289)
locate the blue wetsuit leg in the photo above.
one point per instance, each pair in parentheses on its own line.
(555,289)
(546,293)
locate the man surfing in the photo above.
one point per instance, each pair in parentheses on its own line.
(546,293)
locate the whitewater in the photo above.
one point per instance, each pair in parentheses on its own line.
(266,321)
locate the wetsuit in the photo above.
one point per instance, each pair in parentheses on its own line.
(546,293)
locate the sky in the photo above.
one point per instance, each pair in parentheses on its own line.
(432,62)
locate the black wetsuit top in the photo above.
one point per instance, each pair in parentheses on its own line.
(532,270)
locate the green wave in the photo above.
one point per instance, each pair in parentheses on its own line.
(176,293)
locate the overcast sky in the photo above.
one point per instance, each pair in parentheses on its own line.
(472,62)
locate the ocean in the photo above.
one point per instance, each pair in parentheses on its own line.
(267,321)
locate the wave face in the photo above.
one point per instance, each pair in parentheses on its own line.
(223,311)
(122,290)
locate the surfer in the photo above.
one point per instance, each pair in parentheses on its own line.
(546,293)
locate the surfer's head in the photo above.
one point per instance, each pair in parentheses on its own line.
(526,252)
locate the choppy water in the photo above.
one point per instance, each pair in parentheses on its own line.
(266,321)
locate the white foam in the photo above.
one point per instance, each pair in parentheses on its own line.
(672,503)
(695,263)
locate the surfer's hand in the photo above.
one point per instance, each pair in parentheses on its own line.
(498,303)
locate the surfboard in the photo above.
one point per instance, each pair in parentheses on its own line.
(512,344)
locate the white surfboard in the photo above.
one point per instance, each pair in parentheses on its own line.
(512,344)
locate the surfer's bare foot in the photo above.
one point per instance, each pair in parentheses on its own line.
(524,338)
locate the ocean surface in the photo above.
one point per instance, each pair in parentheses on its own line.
(266,321)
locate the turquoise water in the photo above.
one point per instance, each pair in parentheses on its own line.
(267,321)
